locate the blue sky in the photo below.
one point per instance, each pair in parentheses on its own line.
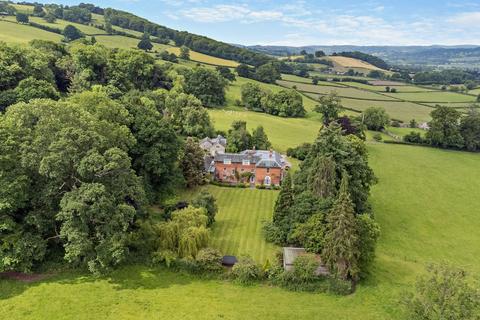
(319,22)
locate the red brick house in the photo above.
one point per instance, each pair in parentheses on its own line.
(258,167)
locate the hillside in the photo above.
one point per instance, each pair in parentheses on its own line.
(464,57)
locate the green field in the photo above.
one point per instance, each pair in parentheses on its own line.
(399,110)
(61,24)
(19,33)
(406,88)
(123,42)
(436,96)
(404,131)
(282,132)
(475,91)
(293,78)
(341,91)
(200,57)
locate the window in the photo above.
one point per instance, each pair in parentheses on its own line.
(224,169)
(268,170)
(267,181)
(233,171)
(227,161)
(246,162)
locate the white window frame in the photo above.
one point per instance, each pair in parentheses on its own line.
(246,162)
(227,161)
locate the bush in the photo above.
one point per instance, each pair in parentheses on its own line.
(299,152)
(304,267)
(413,137)
(377,137)
(395,124)
(209,260)
(46,28)
(7,97)
(246,271)
(272,233)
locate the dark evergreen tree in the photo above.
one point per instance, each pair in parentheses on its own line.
(260,139)
(191,163)
(341,250)
(322,178)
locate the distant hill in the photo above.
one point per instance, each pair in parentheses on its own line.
(464,56)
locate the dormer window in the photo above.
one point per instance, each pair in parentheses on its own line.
(246,162)
(227,161)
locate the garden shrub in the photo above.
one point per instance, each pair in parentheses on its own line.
(209,260)
(246,271)
(377,137)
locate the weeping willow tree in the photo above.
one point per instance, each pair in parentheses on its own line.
(185,234)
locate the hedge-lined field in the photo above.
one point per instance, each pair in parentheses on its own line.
(19,33)
(435,96)
(341,91)
(200,57)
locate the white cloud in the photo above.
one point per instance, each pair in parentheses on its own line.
(223,13)
(466,19)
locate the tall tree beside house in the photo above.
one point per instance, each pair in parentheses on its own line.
(322,178)
(341,250)
(350,154)
(238,137)
(285,199)
(259,139)
(207,201)
(155,153)
(192,163)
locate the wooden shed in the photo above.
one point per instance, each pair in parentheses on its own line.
(291,253)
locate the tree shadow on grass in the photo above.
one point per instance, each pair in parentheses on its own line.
(129,277)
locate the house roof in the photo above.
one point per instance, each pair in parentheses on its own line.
(261,158)
(207,143)
(236,157)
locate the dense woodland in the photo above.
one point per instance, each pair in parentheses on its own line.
(91,136)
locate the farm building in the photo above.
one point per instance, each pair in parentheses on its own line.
(290,254)
(260,167)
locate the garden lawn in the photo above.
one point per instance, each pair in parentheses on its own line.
(21,33)
(238,226)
